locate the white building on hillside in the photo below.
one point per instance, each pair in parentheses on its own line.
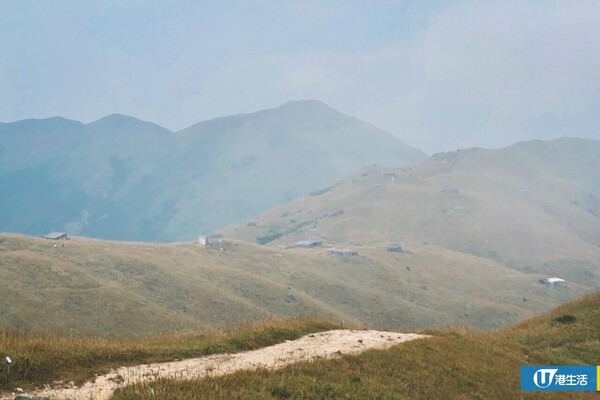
(207,240)
(554,282)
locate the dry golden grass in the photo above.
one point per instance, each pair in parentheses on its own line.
(40,358)
(90,287)
(456,364)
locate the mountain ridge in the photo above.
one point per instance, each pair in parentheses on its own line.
(127,179)
(306,107)
(51,123)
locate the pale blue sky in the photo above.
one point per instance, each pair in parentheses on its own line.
(437,74)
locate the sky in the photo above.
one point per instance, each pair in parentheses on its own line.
(439,75)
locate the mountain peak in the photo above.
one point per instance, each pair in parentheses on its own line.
(307,103)
(124,122)
(117,118)
(306,107)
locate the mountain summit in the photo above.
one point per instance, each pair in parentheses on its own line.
(123,123)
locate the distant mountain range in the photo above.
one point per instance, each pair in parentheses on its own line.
(125,179)
(532,207)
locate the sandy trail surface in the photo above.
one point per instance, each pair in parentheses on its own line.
(320,345)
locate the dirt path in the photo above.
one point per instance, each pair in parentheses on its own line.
(316,346)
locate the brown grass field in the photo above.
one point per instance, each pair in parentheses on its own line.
(455,364)
(42,358)
(92,287)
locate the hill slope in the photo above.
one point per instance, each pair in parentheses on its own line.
(533,207)
(451,365)
(91,287)
(124,179)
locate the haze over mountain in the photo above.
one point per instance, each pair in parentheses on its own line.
(126,179)
(440,74)
(533,207)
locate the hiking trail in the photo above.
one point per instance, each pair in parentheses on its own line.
(321,345)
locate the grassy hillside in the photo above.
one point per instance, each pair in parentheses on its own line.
(120,178)
(533,207)
(455,364)
(91,287)
(41,358)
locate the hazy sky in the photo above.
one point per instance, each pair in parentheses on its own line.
(437,74)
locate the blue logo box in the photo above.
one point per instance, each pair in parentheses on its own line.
(559,378)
